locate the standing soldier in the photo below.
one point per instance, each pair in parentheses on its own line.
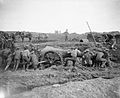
(9,60)
(66,34)
(17,58)
(5,54)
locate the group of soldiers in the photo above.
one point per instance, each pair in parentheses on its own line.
(24,57)
(93,57)
(97,56)
(7,40)
(12,55)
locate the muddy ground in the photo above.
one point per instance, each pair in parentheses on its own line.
(60,82)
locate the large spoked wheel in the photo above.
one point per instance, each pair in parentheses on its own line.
(52,58)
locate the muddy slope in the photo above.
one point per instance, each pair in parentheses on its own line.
(96,88)
(60,83)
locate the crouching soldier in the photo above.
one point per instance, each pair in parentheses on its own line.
(102,57)
(87,58)
(34,60)
(26,57)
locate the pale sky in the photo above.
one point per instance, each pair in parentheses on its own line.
(50,15)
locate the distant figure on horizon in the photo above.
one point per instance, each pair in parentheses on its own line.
(66,34)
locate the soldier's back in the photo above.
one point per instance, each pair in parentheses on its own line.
(17,54)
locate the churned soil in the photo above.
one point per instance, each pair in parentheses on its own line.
(59,82)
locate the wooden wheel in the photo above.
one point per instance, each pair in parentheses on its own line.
(52,58)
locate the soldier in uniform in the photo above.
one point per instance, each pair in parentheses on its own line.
(32,47)
(34,60)
(26,56)
(102,56)
(17,58)
(9,60)
(73,55)
(87,57)
(5,54)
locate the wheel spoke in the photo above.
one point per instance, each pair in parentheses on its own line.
(52,57)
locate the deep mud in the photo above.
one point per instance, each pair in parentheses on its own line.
(57,82)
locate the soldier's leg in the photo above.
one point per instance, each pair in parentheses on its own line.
(94,63)
(109,63)
(14,64)
(24,64)
(103,62)
(8,64)
(41,67)
(88,61)
(27,66)
(66,62)
(6,67)
(17,64)
(73,67)
(28,63)
(35,66)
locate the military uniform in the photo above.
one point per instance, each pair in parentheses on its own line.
(17,57)
(101,56)
(9,61)
(75,53)
(34,60)
(87,57)
(5,53)
(26,57)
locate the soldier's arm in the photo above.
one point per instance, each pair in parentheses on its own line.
(13,53)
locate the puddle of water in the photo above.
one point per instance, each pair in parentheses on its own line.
(21,90)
